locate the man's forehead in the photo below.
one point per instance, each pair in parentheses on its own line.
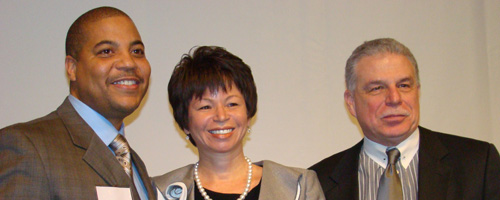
(109,28)
(106,22)
(389,80)
(394,73)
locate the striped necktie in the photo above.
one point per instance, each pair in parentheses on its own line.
(122,152)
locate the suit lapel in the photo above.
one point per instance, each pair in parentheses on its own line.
(141,168)
(345,176)
(183,175)
(272,176)
(102,160)
(433,172)
(188,180)
(97,155)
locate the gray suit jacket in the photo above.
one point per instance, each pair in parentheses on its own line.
(450,167)
(278,182)
(60,157)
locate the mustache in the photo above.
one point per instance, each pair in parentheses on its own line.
(395,112)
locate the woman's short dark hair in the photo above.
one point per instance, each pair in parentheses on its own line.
(212,68)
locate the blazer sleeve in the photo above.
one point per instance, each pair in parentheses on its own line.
(492,179)
(312,189)
(21,173)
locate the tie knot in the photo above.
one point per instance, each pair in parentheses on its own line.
(393,155)
(120,145)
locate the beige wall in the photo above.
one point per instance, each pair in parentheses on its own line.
(297,51)
(492,17)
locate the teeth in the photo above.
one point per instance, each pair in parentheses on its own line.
(221,132)
(125,82)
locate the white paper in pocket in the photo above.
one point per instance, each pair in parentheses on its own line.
(113,193)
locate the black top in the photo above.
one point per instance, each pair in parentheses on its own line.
(252,195)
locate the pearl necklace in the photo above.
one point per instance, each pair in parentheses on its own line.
(204,193)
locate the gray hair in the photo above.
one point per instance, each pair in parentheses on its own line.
(373,47)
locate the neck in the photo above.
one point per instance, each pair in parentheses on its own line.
(222,166)
(116,123)
(225,173)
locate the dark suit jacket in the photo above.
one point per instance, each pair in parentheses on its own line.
(60,157)
(450,167)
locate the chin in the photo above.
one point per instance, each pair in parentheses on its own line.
(130,104)
(127,109)
(223,148)
(396,132)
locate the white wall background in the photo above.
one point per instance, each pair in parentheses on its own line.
(297,51)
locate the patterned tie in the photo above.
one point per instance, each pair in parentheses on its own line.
(122,152)
(390,185)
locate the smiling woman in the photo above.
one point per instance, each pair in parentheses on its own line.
(213,97)
(218,120)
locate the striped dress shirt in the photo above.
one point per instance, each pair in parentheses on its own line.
(372,166)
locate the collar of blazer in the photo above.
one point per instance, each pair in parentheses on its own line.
(345,175)
(433,168)
(97,155)
(277,177)
(273,175)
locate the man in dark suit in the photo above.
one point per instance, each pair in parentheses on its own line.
(69,153)
(383,90)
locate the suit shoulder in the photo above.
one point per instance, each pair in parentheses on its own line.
(460,148)
(459,142)
(285,174)
(37,131)
(33,124)
(273,166)
(180,174)
(326,165)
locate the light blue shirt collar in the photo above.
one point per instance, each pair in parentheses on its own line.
(101,126)
(408,148)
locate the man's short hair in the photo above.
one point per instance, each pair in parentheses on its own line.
(373,47)
(76,36)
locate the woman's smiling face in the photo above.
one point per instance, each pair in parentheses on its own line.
(218,120)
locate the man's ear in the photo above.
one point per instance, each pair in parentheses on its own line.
(418,88)
(70,64)
(349,100)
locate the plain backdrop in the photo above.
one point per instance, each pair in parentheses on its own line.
(297,51)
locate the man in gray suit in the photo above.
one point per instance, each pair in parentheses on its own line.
(67,154)
(397,157)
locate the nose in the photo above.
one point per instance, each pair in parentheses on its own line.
(126,62)
(393,97)
(221,114)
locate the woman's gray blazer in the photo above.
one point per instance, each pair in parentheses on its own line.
(278,182)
